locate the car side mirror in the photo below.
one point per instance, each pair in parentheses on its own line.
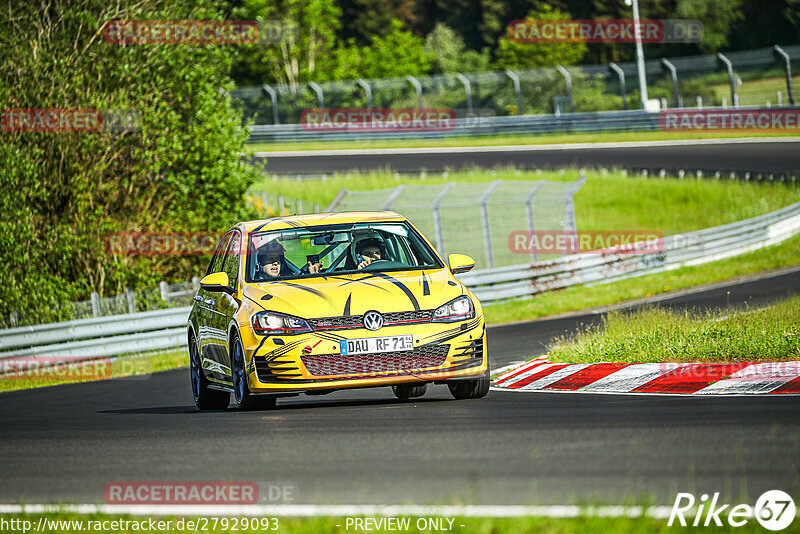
(459,263)
(216,283)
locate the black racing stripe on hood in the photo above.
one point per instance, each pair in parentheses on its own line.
(361,281)
(311,290)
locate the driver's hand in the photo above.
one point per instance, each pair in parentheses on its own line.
(366,262)
(314,268)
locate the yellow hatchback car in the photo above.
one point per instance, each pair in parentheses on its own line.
(317,303)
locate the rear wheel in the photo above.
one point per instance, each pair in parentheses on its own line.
(471,389)
(204,397)
(409,391)
(245,400)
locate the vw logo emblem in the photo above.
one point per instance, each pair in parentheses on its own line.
(373,320)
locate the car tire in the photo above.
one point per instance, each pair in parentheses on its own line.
(409,391)
(471,389)
(205,398)
(245,400)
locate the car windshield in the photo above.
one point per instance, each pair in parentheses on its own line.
(340,249)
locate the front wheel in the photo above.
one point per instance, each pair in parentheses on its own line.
(471,389)
(245,400)
(205,398)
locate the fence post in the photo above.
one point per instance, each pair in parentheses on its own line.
(674,75)
(95,304)
(281,205)
(467,91)
(274,98)
(131,300)
(487,235)
(568,80)
(529,213)
(393,196)
(515,79)
(621,74)
(317,89)
(788,67)
(367,91)
(417,88)
(729,66)
(164,288)
(570,224)
(316,207)
(437,217)
(299,206)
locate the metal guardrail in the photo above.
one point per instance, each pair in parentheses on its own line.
(680,250)
(164,329)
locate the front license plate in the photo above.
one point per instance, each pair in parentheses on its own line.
(371,345)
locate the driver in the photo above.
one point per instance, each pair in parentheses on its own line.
(367,251)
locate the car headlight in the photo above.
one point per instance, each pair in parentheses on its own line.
(273,323)
(459,309)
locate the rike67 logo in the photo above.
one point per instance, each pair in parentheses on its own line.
(774,510)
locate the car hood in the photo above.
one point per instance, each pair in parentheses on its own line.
(355,294)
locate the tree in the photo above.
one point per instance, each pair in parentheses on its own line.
(450,55)
(515,55)
(718,18)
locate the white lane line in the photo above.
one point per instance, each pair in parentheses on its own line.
(521,148)
(631,377)
(315,510)
(554,377)
(754,379)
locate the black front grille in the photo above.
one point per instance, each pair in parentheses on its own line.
(424,357)
(349,322)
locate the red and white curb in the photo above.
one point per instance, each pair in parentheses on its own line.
(740,378)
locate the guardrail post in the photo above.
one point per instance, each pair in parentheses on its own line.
(316,207)
(467,90)
(788,67)
(196,283)
(367,91)
(487,234)
(299,206)
(338,198)
(95,304)
(320,96)
(264,203)
(274,98)
(131,300)
(731,78)
(393,196)
(417,88)
(621,74)
(674,75)
(515,79)
(568,80)
(281,205)
(529,213)
(437,217)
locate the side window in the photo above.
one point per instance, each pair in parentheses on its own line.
(231,264)
(216,262)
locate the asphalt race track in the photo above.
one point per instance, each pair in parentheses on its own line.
(730,155)
(65,443)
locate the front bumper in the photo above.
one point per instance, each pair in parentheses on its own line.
(279,364)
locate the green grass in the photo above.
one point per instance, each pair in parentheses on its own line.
(471,525)
(604,137)
(609,201)
(583,297)
(130,365)
(757,92)
(660,335)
